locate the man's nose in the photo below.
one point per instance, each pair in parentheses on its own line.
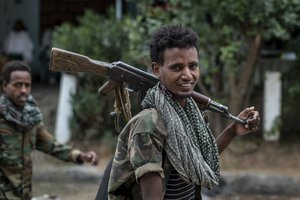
(24,88)
(187,73)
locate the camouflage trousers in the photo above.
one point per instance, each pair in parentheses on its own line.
(10,192)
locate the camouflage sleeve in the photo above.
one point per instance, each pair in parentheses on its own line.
(146,154)
(46,143)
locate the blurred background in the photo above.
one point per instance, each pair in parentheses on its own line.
(249,55)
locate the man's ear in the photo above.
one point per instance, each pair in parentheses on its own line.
(155,69)
(4,84)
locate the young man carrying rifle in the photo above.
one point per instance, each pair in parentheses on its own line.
(167,151)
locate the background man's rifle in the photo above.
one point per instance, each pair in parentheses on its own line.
(120,72)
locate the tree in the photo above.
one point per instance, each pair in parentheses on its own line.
(91,113)
(231,36)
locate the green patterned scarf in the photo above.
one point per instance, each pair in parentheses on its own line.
(22,118)
(190,145)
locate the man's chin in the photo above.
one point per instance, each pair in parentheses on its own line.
(184,94)
(20,104)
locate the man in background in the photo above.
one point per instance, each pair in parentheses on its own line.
(22,131)
(18,44)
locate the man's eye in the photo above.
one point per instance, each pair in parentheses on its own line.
(194,66)
(18,85)
(176,68)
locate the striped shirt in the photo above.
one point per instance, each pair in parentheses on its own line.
(178,189)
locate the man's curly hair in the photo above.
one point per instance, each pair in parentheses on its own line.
(171,36)
(11,66)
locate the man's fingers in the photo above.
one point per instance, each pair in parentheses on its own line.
(90,157)
(246,112)
(254,119)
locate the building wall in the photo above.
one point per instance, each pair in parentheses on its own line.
(38,15)
(53,11)
(28,11)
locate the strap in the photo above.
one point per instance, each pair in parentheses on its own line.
(198,192)
(102,193)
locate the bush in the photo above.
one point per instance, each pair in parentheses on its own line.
(100,39)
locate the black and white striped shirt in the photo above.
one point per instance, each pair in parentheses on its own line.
(178,189)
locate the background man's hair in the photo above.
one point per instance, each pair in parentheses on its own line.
(171,36)
(12,66)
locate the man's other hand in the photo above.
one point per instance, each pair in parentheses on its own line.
(89,157)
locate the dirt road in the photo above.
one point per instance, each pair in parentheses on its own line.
(267,158)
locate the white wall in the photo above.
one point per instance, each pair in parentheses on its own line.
(272,104)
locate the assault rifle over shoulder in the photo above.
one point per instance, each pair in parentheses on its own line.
(120,72)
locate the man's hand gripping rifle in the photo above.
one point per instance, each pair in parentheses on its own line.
(120,73)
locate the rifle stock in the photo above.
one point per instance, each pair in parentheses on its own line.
(119,72)
(62,60)
(67,61)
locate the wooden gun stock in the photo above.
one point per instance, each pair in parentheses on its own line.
(66,61)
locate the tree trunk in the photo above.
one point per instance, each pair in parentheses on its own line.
(239,89)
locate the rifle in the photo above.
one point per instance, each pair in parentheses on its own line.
(120,72)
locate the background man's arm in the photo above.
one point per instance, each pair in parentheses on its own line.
(46,143)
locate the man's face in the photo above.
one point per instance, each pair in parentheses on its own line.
(18,88)
(180,71)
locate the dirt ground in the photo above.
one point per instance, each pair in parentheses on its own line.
(268,159)
(241,156)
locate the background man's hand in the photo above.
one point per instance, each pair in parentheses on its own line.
(89,157)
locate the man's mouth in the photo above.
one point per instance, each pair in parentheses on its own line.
(186,85)
(23,97)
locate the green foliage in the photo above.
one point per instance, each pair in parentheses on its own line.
(226,29)
(291,87)
(275,129)
(95,37)
(107,39)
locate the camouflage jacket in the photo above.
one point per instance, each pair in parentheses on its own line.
(16,153)
(139,151)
